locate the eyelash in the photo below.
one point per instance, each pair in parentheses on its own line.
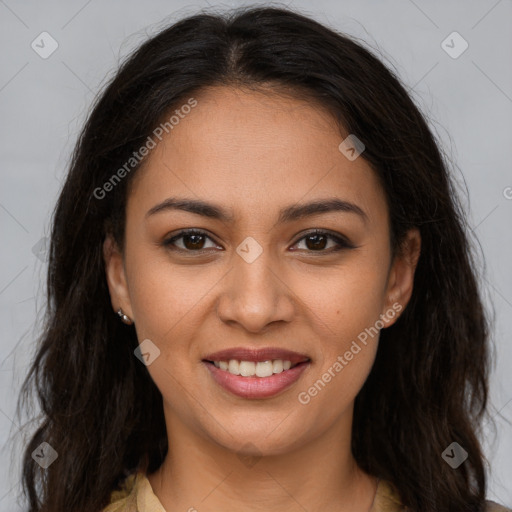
(341,241)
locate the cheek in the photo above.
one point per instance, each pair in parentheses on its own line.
(346,313)
(346,309)
(331,389)
(361,293)
(165,302)
(344,301)
(162,294)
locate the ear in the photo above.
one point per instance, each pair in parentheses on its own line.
(116,277)
(401,277)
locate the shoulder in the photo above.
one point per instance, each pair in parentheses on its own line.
(387,499)
(134,495)
(125,498)
(491,506)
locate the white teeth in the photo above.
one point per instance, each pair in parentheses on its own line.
(277,366)
(251,368)
(247,368)
(234,367)
(264,369)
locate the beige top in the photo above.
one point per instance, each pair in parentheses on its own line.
(136,495)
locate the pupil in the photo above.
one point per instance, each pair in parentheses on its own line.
(315,245)
(194,245)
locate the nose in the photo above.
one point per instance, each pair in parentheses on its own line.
(255,294)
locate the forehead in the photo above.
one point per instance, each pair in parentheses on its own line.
(254,152)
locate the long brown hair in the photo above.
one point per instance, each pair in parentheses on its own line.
(102,413)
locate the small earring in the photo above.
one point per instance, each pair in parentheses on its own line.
(125,319)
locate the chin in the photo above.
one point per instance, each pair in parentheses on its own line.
(256,438)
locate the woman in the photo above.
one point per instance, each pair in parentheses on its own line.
(261,289)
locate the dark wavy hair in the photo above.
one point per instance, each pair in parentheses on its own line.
(101,411)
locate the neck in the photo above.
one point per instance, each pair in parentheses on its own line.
(200,474)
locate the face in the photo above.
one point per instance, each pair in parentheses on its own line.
(254,275)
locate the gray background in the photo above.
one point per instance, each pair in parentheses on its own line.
(43,103)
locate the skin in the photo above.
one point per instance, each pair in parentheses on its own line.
(252,154)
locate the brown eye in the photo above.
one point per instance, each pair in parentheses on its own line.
(192,241)
(317,241)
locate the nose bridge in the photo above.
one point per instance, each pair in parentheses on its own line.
(255,294)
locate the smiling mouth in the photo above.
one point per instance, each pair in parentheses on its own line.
(258,369)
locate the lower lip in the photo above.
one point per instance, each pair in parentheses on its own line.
(256,387)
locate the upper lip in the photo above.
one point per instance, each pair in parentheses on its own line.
(259,354)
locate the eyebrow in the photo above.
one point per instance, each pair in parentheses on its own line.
(288,214)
